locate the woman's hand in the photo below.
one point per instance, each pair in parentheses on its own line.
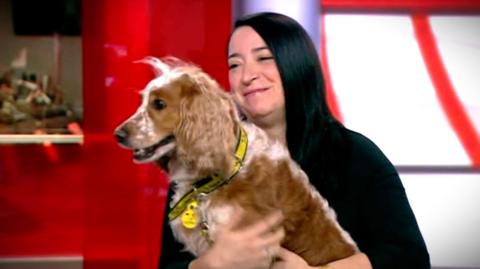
(289,260)
(249,248)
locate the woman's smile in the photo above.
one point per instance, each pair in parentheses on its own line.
(255,91)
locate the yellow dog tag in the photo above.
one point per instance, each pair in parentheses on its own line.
(189,216)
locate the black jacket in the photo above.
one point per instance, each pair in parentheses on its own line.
(371,205)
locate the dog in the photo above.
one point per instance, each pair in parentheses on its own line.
(217,164)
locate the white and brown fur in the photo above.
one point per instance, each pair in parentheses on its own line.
(204,122)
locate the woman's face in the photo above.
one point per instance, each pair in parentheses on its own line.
(254,78)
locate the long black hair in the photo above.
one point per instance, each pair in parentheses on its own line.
(314,136)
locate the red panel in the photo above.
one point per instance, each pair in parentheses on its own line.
(193,30)
(124,201)
(444,6)
(91,200)
(41,201)
(121,198)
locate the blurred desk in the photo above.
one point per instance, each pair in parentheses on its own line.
(40,139)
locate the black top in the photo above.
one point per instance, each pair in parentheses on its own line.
(371,205)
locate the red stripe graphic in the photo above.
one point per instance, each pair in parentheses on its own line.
(446,94)
(331,97)
(379,6)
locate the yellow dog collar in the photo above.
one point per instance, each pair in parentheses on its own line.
(187,204)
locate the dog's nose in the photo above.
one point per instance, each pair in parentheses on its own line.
(121,135)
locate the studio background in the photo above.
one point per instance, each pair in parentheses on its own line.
(404,73)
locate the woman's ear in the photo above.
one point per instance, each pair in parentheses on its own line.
(205,135)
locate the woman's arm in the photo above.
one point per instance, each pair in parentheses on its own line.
(387,232)
(290,260)
(394,238)
(357,261)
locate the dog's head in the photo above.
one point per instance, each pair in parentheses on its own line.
(184,115)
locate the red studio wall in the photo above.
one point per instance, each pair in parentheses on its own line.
(91,201)
(125,228)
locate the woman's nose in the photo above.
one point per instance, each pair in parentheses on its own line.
(250,73)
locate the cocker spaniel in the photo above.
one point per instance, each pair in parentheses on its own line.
(217,163)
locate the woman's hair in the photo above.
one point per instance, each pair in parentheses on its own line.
(314,136)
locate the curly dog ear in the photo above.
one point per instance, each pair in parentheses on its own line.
(206,135)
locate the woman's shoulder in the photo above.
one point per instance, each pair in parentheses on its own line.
(366,156)
(360,142)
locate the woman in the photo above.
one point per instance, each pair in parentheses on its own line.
(276,79)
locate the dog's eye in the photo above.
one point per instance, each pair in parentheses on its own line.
(159,104)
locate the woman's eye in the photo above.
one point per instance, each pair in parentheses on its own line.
(159,104)
(232,66)
(265,58)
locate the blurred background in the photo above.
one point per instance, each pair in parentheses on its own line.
(405,73)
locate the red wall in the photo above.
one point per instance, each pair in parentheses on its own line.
(90,200)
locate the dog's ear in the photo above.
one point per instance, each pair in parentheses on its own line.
(206,133)
(159,67)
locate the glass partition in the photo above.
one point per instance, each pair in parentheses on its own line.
(40,72)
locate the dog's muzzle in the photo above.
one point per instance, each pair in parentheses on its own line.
(146,153)
(121,135)
(141,154)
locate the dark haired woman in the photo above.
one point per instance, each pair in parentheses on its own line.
(276,79)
